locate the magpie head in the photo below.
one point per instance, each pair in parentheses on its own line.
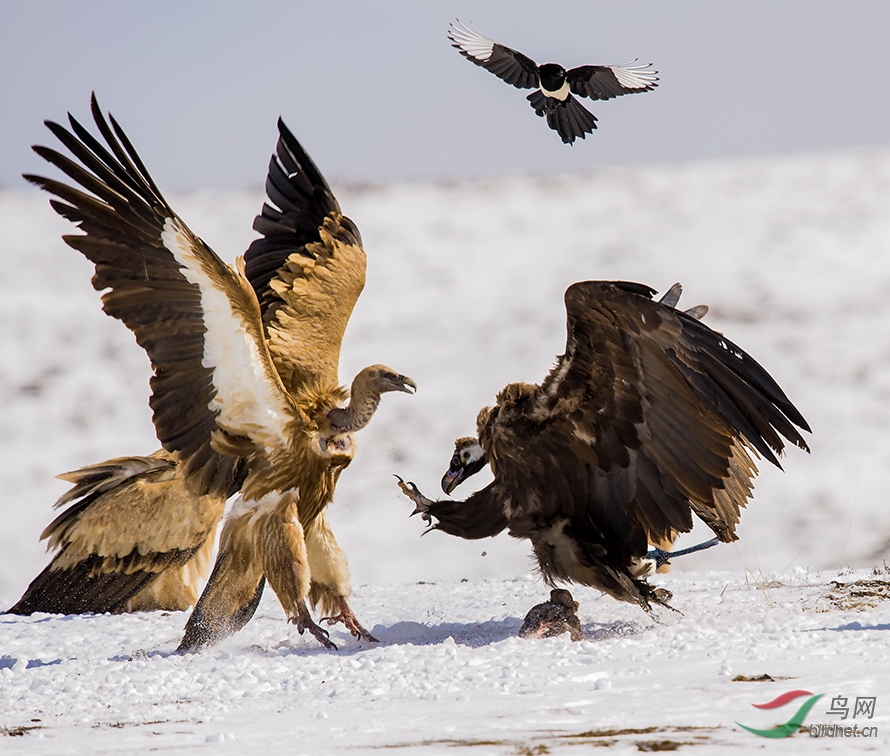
(553,76)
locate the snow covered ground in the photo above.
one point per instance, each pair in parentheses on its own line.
(464,295)
(449,675)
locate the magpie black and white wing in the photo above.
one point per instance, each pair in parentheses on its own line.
(606,82)
(505,63)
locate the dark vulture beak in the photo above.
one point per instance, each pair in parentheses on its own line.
(460,470)
(453,478)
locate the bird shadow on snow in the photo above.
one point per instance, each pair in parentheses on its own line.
(478,634)
(600,631)
(407,633)
(473,634)
(470,634)
(850,626)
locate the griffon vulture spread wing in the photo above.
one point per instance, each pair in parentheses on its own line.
(217,338)
(648,418)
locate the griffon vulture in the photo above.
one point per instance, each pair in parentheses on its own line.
(554,86)
(245,391)
(647,418)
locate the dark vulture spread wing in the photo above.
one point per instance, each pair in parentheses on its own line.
(214,385)
(661,413)
(307,269)
(606,82)
(509,65)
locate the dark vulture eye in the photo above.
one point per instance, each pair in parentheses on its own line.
(455,461)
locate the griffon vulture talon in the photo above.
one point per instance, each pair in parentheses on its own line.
(304,622)
(348,618)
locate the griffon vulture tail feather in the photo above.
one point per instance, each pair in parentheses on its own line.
(647,418)
(221,409)
(133,538)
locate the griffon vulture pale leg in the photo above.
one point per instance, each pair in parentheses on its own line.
(648,418)
(245,392)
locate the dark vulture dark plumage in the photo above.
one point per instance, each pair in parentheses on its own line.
(555,87)
(648,418)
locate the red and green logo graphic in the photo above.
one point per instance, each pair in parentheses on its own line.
(793,724)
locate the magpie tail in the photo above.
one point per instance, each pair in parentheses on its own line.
(568,118)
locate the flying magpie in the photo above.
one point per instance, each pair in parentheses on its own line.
(555,85)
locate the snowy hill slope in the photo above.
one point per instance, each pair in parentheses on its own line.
(465,294)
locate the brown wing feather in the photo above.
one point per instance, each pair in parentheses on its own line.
(129,521)
(214,385)
(307,269)
(670,410)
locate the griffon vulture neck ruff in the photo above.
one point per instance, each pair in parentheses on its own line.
(245,392)
(648,418)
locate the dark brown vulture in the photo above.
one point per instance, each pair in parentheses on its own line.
(245,391)
(648,418)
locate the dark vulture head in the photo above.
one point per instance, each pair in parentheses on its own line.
(469,458)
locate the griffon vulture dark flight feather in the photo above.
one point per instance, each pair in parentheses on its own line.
(648,418)
(134,538)
(245,391)
(554,86)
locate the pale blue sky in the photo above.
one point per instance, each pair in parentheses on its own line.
(375,92)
